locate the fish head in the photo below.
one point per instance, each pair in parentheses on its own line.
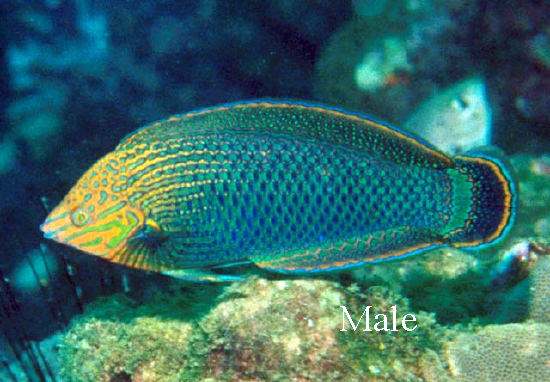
(455,120)
(96,216)
(468,98)
(469,114)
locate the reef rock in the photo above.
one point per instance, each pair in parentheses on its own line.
(255,330)
(506,353)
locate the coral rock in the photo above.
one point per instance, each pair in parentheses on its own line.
(514,352)
(255,330)
(539,303)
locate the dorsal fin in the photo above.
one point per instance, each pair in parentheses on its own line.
(297,120)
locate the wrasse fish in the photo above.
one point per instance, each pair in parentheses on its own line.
(291,187)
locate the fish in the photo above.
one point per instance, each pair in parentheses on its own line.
(289,186)
(457,119)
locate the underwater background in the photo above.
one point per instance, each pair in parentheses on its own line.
(79,75)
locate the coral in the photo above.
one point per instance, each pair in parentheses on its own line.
(159,349)
(392,357)
(295,327)
(539,301)
(276,328)
(514,352)
(450,264)
(433,369)
(111,344)
(448,282)
(255,330)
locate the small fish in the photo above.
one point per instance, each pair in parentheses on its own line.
(456,120)
(517,263)
(291,187)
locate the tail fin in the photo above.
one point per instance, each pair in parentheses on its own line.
(493,206)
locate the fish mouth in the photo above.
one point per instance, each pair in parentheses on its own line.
(55,224)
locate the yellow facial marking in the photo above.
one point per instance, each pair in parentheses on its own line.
(90,219)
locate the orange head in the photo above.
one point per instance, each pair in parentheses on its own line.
(96,216)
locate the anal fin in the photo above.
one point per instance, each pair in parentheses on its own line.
(199,275)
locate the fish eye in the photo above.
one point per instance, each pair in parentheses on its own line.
(79,217)
(460,103)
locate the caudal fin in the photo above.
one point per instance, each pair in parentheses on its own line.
(493,205)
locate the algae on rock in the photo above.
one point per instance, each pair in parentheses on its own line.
(108,344)
(255,330)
